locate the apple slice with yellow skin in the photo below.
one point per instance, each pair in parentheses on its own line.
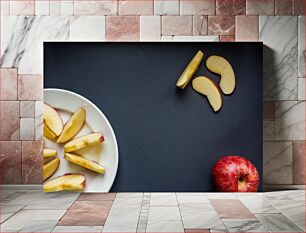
(53,120)
(73,125)
(190,70)
(207,87)
(81,142)
(83,162)
(47,152)
(69,182)
(48,133)
(221,66)
(50,168)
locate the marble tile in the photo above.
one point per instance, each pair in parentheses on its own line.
(231,209)
(150,28)
(290,120)
(20,219)
(8,88)
(283,7)
(257,205)
(75,229)
(224,38)
(39,115)
(135,7)
(163,199)
(237,225)
(9,120)
(166,7)
(8,210)
(221,195)
(55,8)
(268,130)
(260,7)
(277,223)
(203,7)
(301,47)
(6,193)
(197,230)
(21,42)
(167,213)
(30,87)
(221,25)
(277,163)
(195,38)
(293,195)
(27,108)
(67,7)
(107,7)
(22,7)
(279,35)
(299,162)
(39,226)
(89,28)
(122,28)
(200,25)
(32,162)
(27,132)
(97,197)
(269,110)
(166,38)
(5,7)
(5,198)
(165,226)
(176,25)
(230,7)
(185,198)
(246,28)
(298,7)
(42,7)
(301,89)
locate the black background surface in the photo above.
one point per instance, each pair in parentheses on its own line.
(168,139)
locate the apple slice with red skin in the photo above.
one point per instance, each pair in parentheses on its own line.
(68,182)
(83,162)
(84,141)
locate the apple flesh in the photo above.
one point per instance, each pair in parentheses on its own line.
(190,70)
(73,125)
(235,174)
(206,87)
(48,133)
(83,162)
(81,142)
(69,182)
(221,66)
(52,120)
(50,168)
(47,152)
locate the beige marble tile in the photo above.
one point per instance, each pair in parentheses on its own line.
(299,162)
(301,47)
(135,7)
(176,25)
(166,7)
(42,7)
(163,199)
(203,7)
(27,130)
(189,198)
(30,87)
(27,108)
(55,8)
(167,213)
(165,226)
(268,130)
(39,120)
(67,7)
(39,226)
(22,7)
(8,210)
(107,7)
(75,229)
(150,28)
(238,225)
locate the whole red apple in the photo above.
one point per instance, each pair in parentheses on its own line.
(235,174)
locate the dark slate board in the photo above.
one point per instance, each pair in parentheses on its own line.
(168,140)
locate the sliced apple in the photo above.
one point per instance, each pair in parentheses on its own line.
(53,120)
(207,87)
(71,182)
(48,133)
(50,168)
(47,152)
(73,125)
(81,142)
(221,66)
(83,162)
(190,70)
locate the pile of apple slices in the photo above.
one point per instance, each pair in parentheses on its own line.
(206,86)
(55,130)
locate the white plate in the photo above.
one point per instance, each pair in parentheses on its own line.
(106,153)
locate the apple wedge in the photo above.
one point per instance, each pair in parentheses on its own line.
(221,66)
(48,133)
(50,168)
(83,162)
(207,87)
(53,120)
(69,182)
(47,152)
(190,70)
(73,125)
(81,142)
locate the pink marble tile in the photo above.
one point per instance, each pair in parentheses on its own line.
(230,7)
(231,209)
(283,7)
(97,197)
(8,84)
(32,162)
(10,162)
(221,25)
(269,110)
(247,28)
(298,7)
(196,7)
(200,25)
(135,7)
(27,108)
(21,7)
(9,120)
(260,7)
(122,28)
(30,87)
(176,25)
(227,38)
(299,162)
(105,7)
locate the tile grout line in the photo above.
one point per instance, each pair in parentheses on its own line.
(143,216)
